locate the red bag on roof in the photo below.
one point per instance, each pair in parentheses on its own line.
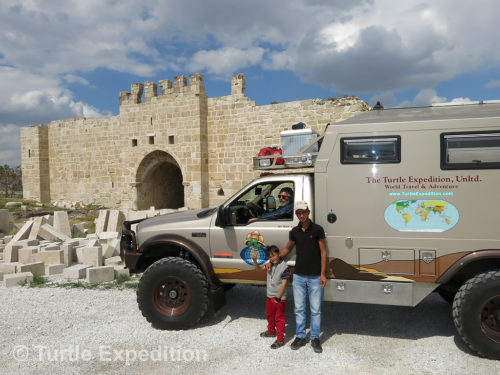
(272,151)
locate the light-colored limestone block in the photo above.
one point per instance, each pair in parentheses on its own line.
(26,254)
(61,223)
(108,235)
(50,246)
(69,253)
(17,279)
(77,271)
(4,220)
(115,221)
(11,253)
(113,261)
(121,270)
(52,256)
(36,268)
(8,268)
(92,255)
(92,242)
(24,232)
(100,274)
(27,242)
(79,253)
(48,232)
(102,221)
(112,248)
(54,269)
(37,223)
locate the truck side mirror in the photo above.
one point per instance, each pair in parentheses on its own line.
(222,219)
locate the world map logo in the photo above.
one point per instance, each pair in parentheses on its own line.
(255,245)
(421,215)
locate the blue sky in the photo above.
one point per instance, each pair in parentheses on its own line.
(71,58)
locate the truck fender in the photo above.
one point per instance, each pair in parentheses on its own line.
(192,248)
(467,260)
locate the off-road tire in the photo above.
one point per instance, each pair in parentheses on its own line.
(173,294)
(476,314)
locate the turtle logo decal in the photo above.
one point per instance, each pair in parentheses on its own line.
(255,244)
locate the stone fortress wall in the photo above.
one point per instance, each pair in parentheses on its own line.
(168,150)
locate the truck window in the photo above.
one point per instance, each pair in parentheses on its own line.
(260,200)
(369,150)
(479,150)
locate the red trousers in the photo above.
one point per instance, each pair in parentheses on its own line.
(276,318)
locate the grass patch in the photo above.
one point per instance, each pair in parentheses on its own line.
(122,279)
(30,205)
(131,284)
(121,282)
(38,282)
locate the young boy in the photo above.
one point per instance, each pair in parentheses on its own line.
(277,278)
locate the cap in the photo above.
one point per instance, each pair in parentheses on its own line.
(301,205)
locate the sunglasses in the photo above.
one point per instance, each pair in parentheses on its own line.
(283,196)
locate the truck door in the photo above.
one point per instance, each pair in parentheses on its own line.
(256,223)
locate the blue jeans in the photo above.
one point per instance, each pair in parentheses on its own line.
(303,287)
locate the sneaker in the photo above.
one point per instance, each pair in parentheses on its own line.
(267,334)
(277,344)
(316,344)
(297,343)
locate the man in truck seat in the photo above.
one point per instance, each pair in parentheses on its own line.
(285,210)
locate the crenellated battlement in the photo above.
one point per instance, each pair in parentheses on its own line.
(238,85)
(150,89)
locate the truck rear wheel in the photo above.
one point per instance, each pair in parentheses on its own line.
(476,314)
(173,294)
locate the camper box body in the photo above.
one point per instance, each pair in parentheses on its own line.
(413,192)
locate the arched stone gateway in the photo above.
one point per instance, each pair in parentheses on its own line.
(159,182)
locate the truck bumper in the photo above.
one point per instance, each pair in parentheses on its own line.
(128,246)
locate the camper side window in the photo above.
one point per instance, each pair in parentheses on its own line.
(370,150)
(478,150)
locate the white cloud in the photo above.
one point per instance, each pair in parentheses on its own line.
(72,78)
(367,46)
(461,101)
(427,97)
(225,61)
(385,45)
(32,99)
(495,84)
(364,45)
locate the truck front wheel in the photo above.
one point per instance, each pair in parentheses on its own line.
(476,314)
(173,294)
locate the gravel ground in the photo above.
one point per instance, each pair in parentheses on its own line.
(75,331)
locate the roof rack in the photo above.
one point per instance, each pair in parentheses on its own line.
(303,159)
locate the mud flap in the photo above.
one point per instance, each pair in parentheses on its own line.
(216,299)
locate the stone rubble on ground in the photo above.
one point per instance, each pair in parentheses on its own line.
(43,247)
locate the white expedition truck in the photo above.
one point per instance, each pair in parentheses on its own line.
(408,198)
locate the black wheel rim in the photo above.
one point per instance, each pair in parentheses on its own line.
(171,296)
(490,318)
